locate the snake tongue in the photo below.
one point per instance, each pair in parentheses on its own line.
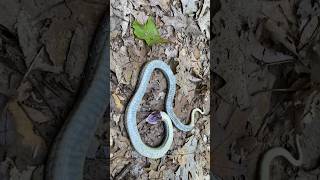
(154,117)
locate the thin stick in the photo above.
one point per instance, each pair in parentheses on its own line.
(123,172)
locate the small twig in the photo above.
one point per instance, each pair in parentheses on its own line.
(265,119)
(33,63)
(123,172)
(314,33)
(264,64)
(38,90)
(224,167)
(273,90)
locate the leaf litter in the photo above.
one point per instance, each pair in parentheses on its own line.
(266,56)
(43,51)
(187,53)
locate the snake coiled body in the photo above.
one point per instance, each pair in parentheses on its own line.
(167,117)
(279,152)
(67,157)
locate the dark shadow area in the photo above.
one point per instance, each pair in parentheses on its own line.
(265,79)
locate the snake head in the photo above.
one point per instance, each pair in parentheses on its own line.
(154,117)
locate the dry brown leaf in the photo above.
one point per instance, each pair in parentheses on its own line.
(117,101)
(27,37)
(23,124)
(15,174)
(196,53)
(9,12)
(116,118)
(308,31)
(57,40)
(31,141)
(119,64)
(178,20)
(204,24)
(183,75)
(117,165)
(189,6)
(24,90)
(36,115)
(189,165)
(154,174)
(164,4)
(78,52)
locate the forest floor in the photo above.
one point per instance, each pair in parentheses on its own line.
(265,59)
(186,24)
(44,47)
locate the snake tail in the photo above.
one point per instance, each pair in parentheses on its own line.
(279,152)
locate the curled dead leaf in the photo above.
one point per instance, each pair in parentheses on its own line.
(32,147)
(117,101)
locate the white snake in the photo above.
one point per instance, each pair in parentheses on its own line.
(167,117)
(275,152)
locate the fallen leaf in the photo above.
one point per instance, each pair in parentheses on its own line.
(187,162)
(181,22)
(164,4)
(178,20)
(27,37)
(15,174)
(196,53)
(171,52)
(308,31)
(154,163)
(24,91)
(189,6)
(9,12)
(117,101)
(33,143)
(183,75)
(204,24)
(57,40)
(148,32)
(78,53)
(204,8)
(154,174)
(116,118)
(36,115)
(120,9)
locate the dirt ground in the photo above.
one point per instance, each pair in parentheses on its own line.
(186,24)
(265,58)
(43,50)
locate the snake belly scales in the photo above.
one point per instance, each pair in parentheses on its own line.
(168,117)
(67,156)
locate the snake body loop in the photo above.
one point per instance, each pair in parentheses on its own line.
(276,152)
(67,157)
(132,108)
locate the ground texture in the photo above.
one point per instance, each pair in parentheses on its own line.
(265,58)
(43,51)
(186,24)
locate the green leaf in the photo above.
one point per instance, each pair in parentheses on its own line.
(148,32)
